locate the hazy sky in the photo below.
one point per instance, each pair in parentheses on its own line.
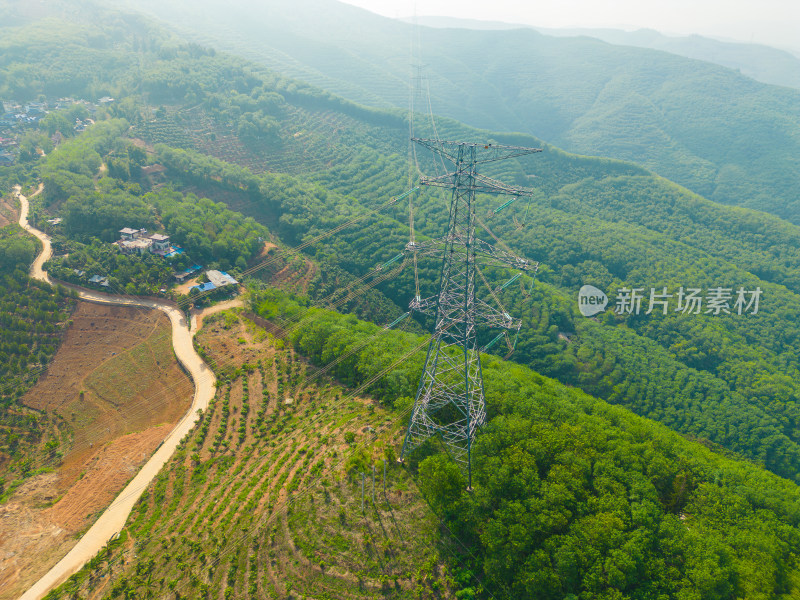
(771,22)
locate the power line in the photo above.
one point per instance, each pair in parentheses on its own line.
(146,404)
(252,531)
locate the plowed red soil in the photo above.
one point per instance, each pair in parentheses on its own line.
(116,384)
(9,211)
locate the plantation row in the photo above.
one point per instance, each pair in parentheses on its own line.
(263,498)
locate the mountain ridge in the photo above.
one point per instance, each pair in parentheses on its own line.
(762,62)
(717,132)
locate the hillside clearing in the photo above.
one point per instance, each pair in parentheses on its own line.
(112,393)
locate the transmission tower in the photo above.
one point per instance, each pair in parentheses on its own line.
(450,398)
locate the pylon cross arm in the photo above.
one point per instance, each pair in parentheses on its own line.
(489,152)
(485,253)
(480,184)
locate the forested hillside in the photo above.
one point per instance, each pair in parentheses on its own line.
(730,379)
(610,500)
(33,317)
(571,496)
(767,64)
(711,129)
(576,497)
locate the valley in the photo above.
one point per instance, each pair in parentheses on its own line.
(628,454)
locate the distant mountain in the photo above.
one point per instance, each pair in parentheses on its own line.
(763,63)
(719,133)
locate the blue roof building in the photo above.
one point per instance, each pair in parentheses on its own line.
(204,287)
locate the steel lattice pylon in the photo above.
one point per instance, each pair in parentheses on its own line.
(450,398)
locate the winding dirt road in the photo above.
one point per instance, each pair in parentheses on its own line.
(113,519)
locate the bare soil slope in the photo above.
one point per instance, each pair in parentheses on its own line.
(114,390)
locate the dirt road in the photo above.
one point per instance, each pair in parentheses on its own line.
(112,520)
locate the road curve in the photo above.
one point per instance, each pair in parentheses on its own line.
(113,519)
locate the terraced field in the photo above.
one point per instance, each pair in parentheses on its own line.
(264,498)
(310,139)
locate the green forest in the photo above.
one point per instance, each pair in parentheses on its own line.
(626,455)
(573,496)
(33,317)
(591,221)
(691,358)
(710,128)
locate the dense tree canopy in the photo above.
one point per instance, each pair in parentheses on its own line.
(573,496)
